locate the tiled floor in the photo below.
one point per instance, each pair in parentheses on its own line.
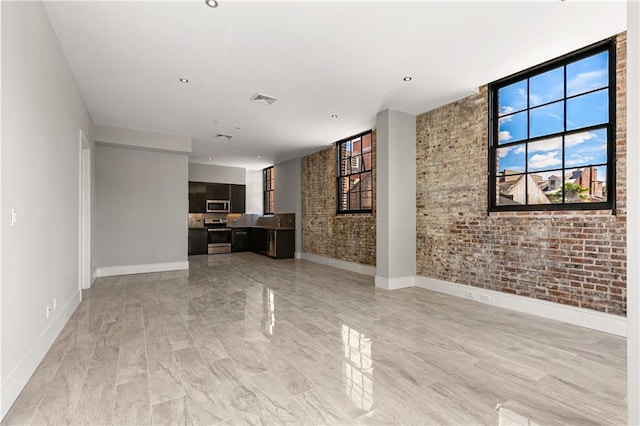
(243,338)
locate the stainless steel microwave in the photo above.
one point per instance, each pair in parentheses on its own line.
(217,206)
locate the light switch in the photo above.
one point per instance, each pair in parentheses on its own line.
(13,217)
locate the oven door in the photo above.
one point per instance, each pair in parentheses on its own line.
(219,240)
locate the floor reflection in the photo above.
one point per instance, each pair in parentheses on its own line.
(269,311)
(358,368)
(511,418)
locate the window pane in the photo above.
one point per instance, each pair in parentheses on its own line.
(366,142)
(551,184)
(510,159)
(356,147)
(535,189)
(366,200)
(511,192)
(365,183)
(545,154)
(356,164)
(588,110)
(354,201)
(581,149)
(343,202)
(512,128)
(353,182)
(367,159)
(585,185)
(546,87)
(345,167)
(343,185)
(512,98)
(546,120)
(588,74)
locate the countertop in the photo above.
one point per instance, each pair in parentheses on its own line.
(277,228)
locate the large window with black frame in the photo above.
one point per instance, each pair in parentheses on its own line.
(552,134)
(268,181)
(354,176)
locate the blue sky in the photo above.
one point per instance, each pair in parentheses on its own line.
(583,148)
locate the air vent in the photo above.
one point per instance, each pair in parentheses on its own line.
(263,99)
(224,136)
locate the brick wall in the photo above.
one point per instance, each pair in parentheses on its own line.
(348,237)
(573,258)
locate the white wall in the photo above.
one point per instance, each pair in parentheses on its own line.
(41,116)
(395,198)
(254,192)
(288,193)
(216,174)
(142,139)
(633,212)
(142,210)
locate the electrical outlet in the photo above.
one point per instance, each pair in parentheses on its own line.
(14,218)
(48,311)
(469,294)
(485,298)
(55,305)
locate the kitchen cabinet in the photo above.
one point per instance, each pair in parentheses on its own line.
(197,197)
(276,243)
(237,196)
(217,191)
(197,241)
(239,239)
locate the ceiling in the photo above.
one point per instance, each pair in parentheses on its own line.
(317,58)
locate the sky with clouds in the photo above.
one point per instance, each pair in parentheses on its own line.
(547,89)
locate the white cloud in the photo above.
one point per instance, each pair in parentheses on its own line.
(587,81)
(578,138)
(503,152)
(579,160)
(543,161)
(504,111)
(504,136)
(545,145)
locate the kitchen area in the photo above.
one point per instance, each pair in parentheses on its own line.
(218,224)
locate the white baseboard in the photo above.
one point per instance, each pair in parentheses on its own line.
(22,372)
(394,283)
(608,323)
(340,264)
(297,255)
(109,271)
(93,277)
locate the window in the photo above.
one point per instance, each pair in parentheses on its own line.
(268,179)
(354,177)
(552,134)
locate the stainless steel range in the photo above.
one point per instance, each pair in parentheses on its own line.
(218,236)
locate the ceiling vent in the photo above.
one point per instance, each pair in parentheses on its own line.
(263,99)
(224,136)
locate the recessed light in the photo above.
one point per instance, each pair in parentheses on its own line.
(407,78)
(210,158)
(259,156)
(211,3)
(334,116)
(184,80)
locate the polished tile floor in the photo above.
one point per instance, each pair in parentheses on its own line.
(244,339)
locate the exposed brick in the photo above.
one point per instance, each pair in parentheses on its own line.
(349,237)
(576,258)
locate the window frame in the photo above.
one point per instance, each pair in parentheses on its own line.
(339,175)
(608,45)
(268,191)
